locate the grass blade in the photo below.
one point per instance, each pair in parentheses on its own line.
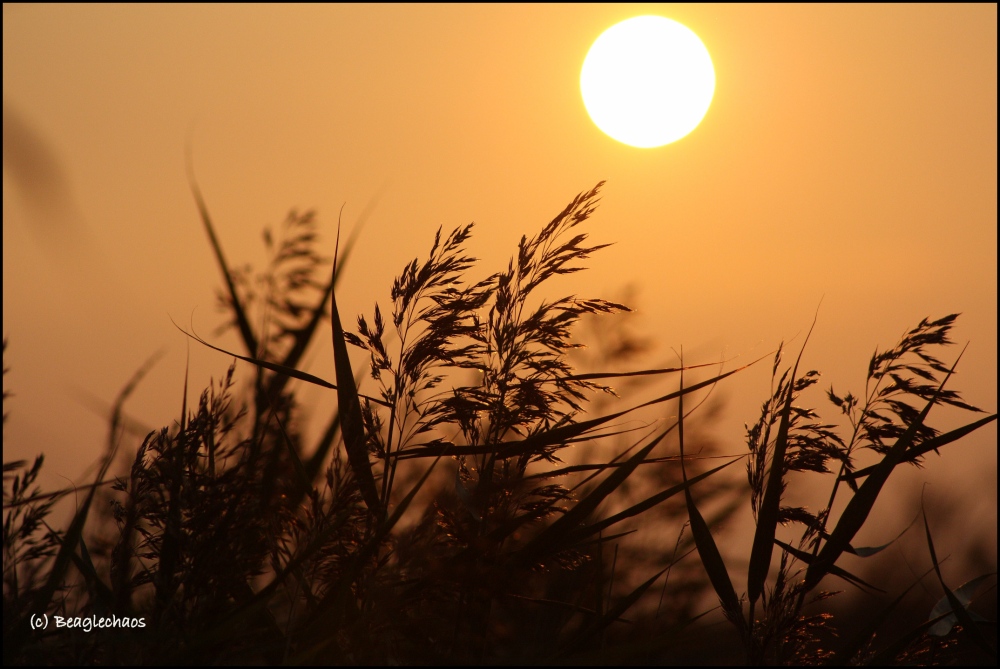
(275,367)
(887,655)
(614,613)
(246,332)
(861,638)
(767,514)
(326,614)
(67,551)
(555,435)
(260,600)
(55,495)
(649,502)
(315,464)
(964,593)
(930,445)
(600,376)
(835,570)
(351,424)
(85,565)
(305,335)
(598,467)
(957,607)
(551,538)
(861,504)
(707,550)
(252,607)
(770,506)
(697,386)
(303,482)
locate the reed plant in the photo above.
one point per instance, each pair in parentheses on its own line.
(470,507)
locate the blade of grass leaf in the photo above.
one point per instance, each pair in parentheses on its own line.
(860,505)
(648,503)
(555,603)
(767,514)
(860,638)
(274,367)
(315,463)
(600,466)
(929,445)
(613,613)
(807,558)
(887,655)
(551,538)
(116,415)
(616,461)
(351,423)
(563,433)
(604,539)
(250,609)
(105,600)
(55,495)
(128,424)
(57,573)
(957,607)
(770,506)
(697,386)
(559,434)
(598,376)
(246,332)
(86,567)
(130,386)
(964,593)
(707,550)
(634,653)
(302,479)
(304,336)
(326,615)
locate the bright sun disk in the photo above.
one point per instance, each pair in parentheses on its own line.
(647,81)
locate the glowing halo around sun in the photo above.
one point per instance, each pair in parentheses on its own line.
(647,81)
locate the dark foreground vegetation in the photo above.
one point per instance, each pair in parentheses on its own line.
(474,507)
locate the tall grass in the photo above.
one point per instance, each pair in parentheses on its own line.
(446,515)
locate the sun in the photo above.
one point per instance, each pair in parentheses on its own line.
(647,81)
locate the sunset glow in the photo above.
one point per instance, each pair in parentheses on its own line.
(475,334)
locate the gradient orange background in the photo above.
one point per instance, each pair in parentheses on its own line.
(849,156)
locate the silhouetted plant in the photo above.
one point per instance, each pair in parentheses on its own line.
(234,543)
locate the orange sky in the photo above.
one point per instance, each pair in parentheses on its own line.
(849,156)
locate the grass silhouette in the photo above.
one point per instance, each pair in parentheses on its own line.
(449,517)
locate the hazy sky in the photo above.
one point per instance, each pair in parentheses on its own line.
(849,156)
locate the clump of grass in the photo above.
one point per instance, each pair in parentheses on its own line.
(235,543)
(902,385)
